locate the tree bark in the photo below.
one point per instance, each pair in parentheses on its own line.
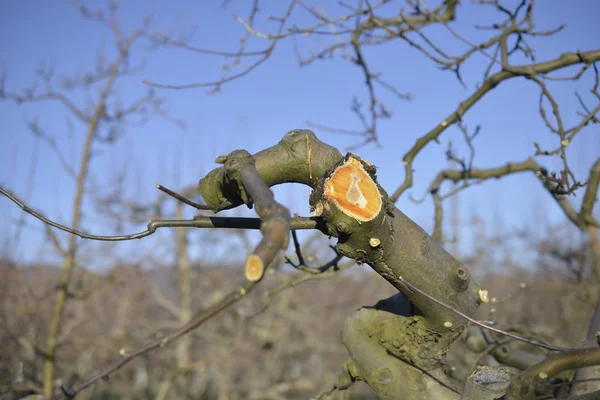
(391,352)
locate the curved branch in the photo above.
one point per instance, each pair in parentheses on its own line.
(535,380)
(565,60)
(199,221)
(582,219)
(589,375)
(591,195)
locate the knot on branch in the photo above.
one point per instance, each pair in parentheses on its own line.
(234,163)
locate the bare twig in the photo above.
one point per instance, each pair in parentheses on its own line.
(264,55)
(200,221)
(182,198)
(476,322)
(565,60)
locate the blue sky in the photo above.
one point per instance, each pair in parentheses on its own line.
(255,112)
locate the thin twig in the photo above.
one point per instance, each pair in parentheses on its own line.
(199,221)
(476,322)
(182,198)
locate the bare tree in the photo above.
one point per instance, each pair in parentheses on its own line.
(350,205)
(351,29)
(104,122)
